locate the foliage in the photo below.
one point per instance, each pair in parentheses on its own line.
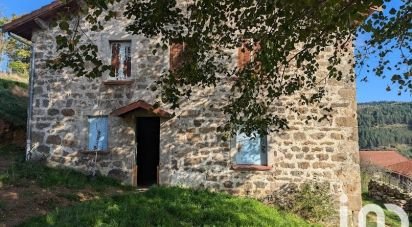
(312,201)
(18,53)
(13,108)
(161,206)
(281,34)
(390,33)
(385,124)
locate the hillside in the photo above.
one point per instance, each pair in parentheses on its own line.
(13,99)
(384,125)
(13,108)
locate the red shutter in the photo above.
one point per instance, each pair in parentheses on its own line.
(176,55)
(115,57)
(243,56)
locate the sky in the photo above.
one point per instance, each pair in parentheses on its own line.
(373,90)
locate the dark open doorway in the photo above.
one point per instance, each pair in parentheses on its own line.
(147,158)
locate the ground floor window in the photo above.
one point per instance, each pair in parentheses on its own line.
(251,150)
(98,133)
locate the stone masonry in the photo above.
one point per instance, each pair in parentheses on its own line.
(192,152)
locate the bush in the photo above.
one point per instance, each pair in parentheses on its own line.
(312,201)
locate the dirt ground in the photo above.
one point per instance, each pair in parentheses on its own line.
(21,202)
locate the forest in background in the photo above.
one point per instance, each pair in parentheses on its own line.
(386,125)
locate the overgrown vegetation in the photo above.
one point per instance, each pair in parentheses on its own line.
(13,100)
(169,207)
(312,201)
(386,125)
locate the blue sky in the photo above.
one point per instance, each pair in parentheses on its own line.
(373,90)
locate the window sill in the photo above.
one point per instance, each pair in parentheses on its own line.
(251,168)
(94,152)
(117,82)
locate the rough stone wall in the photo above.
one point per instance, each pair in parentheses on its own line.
(63,102)
(192,152)
(387,193)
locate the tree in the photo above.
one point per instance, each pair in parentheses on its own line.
(17,53)
(280,34)
(389,33)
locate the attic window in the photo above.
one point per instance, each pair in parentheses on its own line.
(121,59)
(180,54)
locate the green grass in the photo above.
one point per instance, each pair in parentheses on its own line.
(158,206)
(22,172)
(13,108)
(173,206)
(46,177)
(12,151)
(391,219)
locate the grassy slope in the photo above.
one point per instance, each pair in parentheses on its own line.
(13,107)
(21,172)
(157,206)
(169,207)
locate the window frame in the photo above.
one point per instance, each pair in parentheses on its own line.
(124,77)
(105,148)
(265,164)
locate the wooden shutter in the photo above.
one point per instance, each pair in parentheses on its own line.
(176,56)
(98,133)
(115,57)
(243,56)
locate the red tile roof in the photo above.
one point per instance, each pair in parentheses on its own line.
(403,168)
(381,158)
(141,105)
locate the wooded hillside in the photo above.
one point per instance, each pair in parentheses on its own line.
(386,125)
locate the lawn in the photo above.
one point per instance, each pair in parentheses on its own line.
(32,194)
(172,206)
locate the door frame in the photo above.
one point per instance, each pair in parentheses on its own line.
(135,167)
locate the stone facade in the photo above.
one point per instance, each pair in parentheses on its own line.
(192,152)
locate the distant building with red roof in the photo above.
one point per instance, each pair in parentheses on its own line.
(402,168)
(396,168)
(381,158)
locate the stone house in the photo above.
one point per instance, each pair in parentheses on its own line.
(75,121)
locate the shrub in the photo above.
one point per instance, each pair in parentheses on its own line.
(312,201)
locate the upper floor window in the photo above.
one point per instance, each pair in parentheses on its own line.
(251,150)
(179,54)
(121,59)
(98,133)
(247,53)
